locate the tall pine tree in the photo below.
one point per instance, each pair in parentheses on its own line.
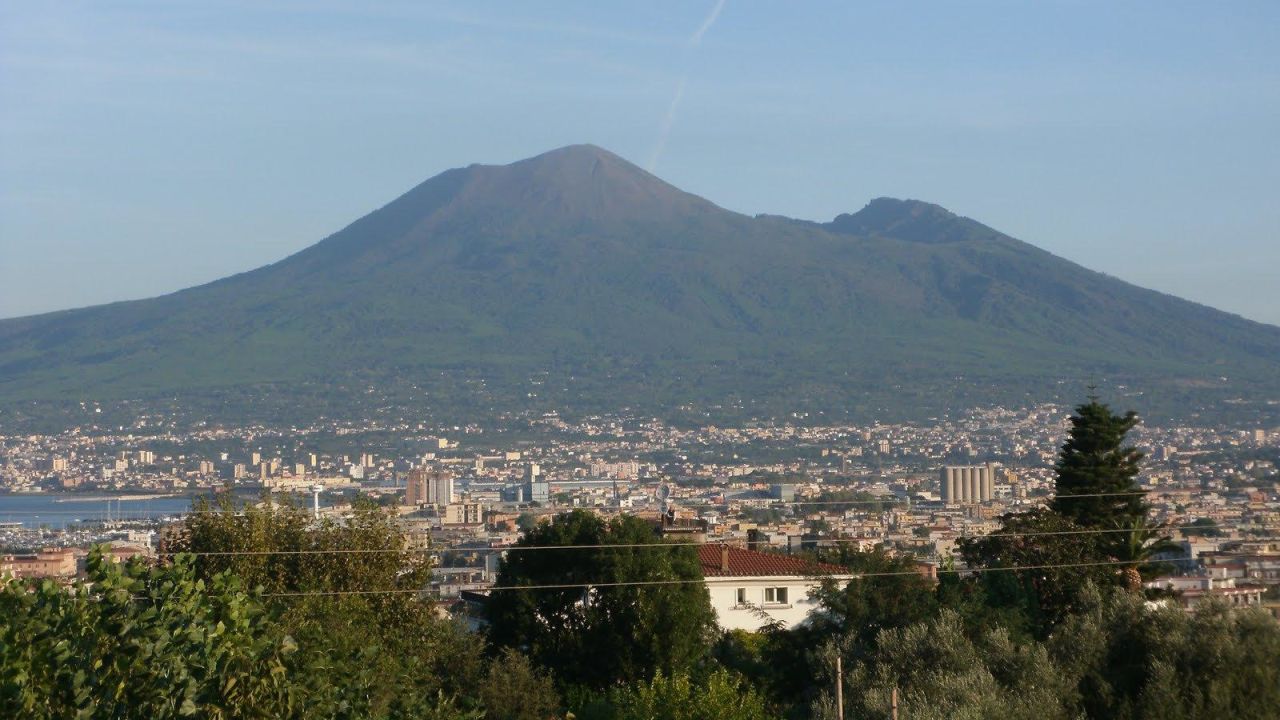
(1095,463)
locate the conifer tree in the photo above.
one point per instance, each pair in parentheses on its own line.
(1094,464)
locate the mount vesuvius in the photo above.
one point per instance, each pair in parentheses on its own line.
(575,279)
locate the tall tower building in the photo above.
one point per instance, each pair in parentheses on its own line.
(440,488)
(429,486)
(537,489)
(415,489)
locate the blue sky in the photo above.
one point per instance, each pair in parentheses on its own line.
(146,147)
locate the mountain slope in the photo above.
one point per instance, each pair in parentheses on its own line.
(579,267)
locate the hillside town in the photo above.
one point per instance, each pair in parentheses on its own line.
(471,491)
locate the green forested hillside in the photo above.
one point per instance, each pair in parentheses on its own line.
(607,287)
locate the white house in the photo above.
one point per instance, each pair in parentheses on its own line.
(750,589)
(1194,589)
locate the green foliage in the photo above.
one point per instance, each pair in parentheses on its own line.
(721,696)
(279,546)
(1094,461)
(1139,542)
(360,608)
(605,634)
(986,602)
(893,595)
(1128,660)
(941,673)
(842,500)
(1060,548)
(137,642)
(1204,527)
(526,521)
(764,516)
(513,689)
(777,662)
(1059,560)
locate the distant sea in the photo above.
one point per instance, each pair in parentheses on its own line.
(57,510)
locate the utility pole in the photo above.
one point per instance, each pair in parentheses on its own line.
(839,690)
(893,703)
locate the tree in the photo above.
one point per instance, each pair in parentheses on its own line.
(940,672)
(138,642)
(350,587)
(1093,465)
(851,615)
(720,696)
(134,641)
(513,689)
(1128,660)
(1205,527)
(1138,543)
(1035,564)
(986,601)
(893,594)
(592,632)
(776,662)
(526,521)
(279,546)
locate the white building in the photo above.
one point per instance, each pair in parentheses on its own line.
(1194,589)
(750,589)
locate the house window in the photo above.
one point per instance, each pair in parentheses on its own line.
(742,596)
(775,595)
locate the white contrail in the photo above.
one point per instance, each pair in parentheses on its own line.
(665,130)
(694,40)
(706,24)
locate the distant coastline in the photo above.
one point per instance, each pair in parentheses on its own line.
(60,510)
(68,498)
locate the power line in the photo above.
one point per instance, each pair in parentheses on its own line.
(690,581)
(623,546)
(728,501)
(895,499)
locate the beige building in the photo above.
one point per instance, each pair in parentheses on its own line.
(463,514)
(967,484)
(48,562)
(428,486)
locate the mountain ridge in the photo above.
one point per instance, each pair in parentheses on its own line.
(578,260)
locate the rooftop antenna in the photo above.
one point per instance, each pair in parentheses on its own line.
(663,493)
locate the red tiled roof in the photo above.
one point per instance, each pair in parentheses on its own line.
(751,563)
